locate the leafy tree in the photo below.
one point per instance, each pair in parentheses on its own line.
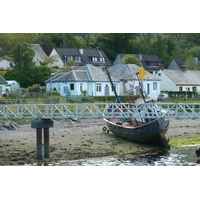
(39,74)
(131,59)
(50,60)
(22,55)
(69,41)
(114,43)
(191,63)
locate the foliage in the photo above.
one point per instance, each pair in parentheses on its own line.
(191,64)
(50,60)
(36,88)
(185,141)
(2,73)
(22,55)
(131,59)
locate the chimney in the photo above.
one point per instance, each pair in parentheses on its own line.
(81,51)
(183,67)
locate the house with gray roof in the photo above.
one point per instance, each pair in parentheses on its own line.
(87,78)
(80,57)
(3,84)
(129,82)
(39,54)
(177,64)
(179,80)
(151,63)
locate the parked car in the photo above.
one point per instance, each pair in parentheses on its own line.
(163,97)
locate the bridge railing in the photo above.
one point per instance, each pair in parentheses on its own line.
(100,110)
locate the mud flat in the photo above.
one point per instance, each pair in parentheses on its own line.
(81,139)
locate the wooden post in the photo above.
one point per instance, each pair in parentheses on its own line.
(46,142)
(40,124)
(39,143)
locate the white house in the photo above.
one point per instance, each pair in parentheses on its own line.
(127,72)
(12,85)
(87,78)
(179,80)
(2,86)
(4,64)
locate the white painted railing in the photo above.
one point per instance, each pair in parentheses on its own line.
(101,110)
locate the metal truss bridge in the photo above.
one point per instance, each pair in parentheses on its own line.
(100,110)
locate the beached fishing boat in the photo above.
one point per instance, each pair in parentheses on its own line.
(144,130)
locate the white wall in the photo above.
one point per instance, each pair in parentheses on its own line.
(90,87)
(166,83)
(59,63)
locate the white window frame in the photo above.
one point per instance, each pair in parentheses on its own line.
(98,87)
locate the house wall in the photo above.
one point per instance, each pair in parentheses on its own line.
(59,63)
(90,87)
(166,83)
(2,89)
(148,87)
(4,64)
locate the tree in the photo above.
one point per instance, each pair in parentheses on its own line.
(24,70)
(191,63)
(131,59)
(39,74)
(22,55)
(50,60)
(114,43)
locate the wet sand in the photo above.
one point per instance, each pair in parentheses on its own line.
(82,139)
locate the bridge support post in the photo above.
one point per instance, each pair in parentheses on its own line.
(40,124)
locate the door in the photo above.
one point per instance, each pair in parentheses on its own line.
(148,88)
(106,90)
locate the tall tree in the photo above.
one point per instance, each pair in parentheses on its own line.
(114,43)
(22,55)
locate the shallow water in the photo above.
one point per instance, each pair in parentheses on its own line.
(176,156)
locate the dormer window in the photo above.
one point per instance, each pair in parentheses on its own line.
(77,58)
(70,58)
(94,59)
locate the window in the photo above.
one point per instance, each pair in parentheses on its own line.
(70,58)
(94,59)
(77,58)
(72,86)
(180,89)
(114,87)
(98,87)
(154,85)
(194,89)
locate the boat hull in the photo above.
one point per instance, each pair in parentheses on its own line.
(149,133)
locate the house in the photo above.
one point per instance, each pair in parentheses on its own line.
(177,64)
(2,86)
(4,64)
(87,78)
(179,80)
(151,63)
(39,54)
(12,85)
(127,72)
(80,57)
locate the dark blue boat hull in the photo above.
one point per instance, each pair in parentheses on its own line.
(150,133)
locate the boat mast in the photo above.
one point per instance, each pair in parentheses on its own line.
(113,88)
